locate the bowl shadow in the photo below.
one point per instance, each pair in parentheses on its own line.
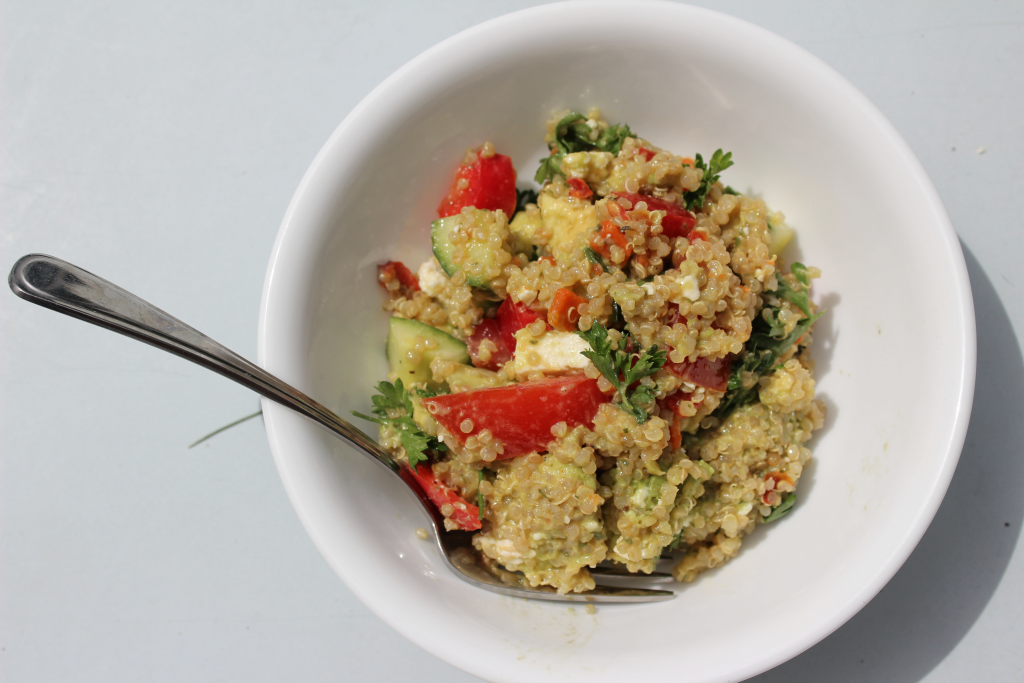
(936,597)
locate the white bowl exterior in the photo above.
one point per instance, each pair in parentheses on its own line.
(895,351)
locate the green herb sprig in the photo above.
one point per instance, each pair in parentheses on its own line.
(524,197)
(594,257)
(479,494)
(392,399)
(788,501)
(623,366)
(798,296)
(573,134)
(768,342)
(718,163)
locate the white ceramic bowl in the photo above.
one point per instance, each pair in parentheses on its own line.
(895,352)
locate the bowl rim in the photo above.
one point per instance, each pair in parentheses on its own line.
(964,304)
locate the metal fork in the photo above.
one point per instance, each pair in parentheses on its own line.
(68,289)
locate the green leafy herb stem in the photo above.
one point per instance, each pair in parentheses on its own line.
(788,501)
(594,257)
(768,342)
(524,197)
(624,366)
(573,134)
(393,407)
(718,163)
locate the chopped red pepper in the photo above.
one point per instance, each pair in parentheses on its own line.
(490,183)
(520,416)
(676,434)
(610,234)
(563,314)
(578,188)
(678,222)
(646,153)
(710,374)
(398,270)
(464,514)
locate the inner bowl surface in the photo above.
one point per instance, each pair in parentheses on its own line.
(897,378)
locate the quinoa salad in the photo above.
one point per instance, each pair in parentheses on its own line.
(612,366)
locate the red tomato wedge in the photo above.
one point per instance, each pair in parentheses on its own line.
(578,188)
(678,222)
(465,515)
(520,416)
(710,374)
(398,270)
(489,330)
(511,318)
(490,184)
(672,402)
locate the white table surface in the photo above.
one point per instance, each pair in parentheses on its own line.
(158,145)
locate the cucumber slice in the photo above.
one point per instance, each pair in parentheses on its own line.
(402,337)
(481,253)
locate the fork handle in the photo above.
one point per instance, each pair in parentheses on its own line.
(68,289)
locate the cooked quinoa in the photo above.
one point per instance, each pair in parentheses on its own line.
(626,251)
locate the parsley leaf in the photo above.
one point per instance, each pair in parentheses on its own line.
(573,134)
(788,501)
(479,495)
(431,393)
(799,271)
(617,320)
(524,197)
(763,350)
(624,366)
(718,163)
(796,296)
(769,341)
(594,257)
(394,399)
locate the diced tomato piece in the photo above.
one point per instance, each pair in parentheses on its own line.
(511,318)
(646,153)
(520,416)
(771,497)
(676,434)
(490,184)
(489,330)
(564,313)
(467,516)
(609,234)
(672,401)
(578,188)
(396,269)
(710,374)
(678,222)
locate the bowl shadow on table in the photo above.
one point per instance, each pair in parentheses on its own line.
(934,599)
